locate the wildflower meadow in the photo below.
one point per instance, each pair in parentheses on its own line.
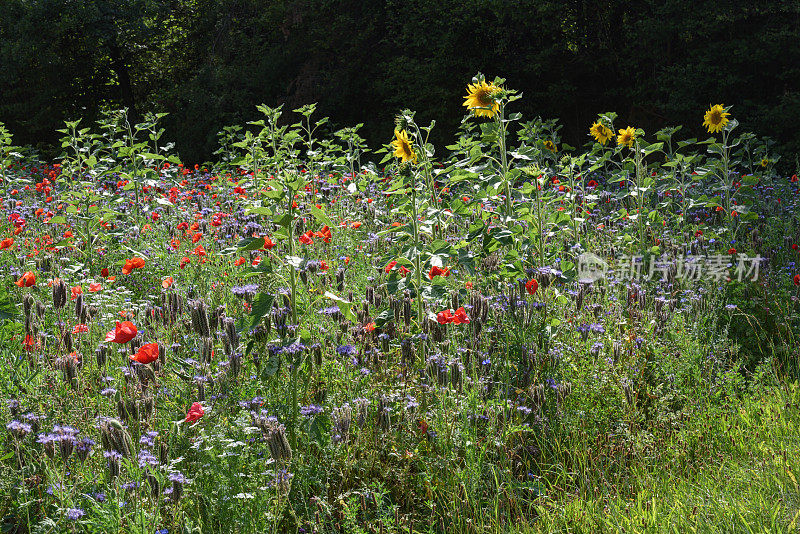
(309,334)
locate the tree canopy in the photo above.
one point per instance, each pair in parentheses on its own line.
(210,62)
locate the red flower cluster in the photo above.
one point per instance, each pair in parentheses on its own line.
(438,271)
(131,264)
(451,317)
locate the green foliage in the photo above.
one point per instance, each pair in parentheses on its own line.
(206,61)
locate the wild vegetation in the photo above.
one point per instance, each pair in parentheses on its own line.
(503,334)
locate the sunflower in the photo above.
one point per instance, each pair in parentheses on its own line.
(482,95)
(551,146)
(601,133)
(764,163)
(402,147)
(626,136)
(716,118)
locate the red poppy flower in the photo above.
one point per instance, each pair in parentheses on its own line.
(306,238)
(731,251)
(795,247)
(460,317)
(199,251)
(185,261)
(325,234)
(444,317)
(195,412)
(6,243)
(591,183)
(240,261)
(438,271)
(131,264)
(450,317)
(532,286)
(147,353)
(26,280)
(124,332)
(197,237)
(77,290)
(797,279)
(80,329)
(94,287)
(323,266)
(104,272)
(389,266)
(404,271)
(355,225)
(268,243)
(167,282)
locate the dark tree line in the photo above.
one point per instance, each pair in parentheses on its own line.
(209,62)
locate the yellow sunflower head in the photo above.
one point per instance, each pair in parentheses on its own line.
(626,136)
(764,163)
(482,99)
(716,118)
(601,133)
(402,147)
(551,146)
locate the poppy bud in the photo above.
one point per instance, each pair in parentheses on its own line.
(59,294)
(79,306)
(340,279)
(100,355)
(29,324)
(27,305)
(407,308)
(163,453)
(205,350)
(67,340)
(235,360)
(384,419)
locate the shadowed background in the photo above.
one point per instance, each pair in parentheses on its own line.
(209,62)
